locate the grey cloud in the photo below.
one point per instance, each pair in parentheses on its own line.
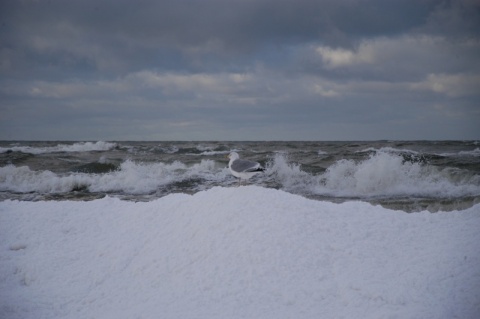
(121,34)
(239,69)
(455,19)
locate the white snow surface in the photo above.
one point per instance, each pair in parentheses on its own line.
(240,252)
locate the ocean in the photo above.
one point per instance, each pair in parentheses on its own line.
(402,175)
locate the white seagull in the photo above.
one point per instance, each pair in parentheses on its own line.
(243,169)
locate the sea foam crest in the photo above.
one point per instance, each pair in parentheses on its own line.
(380,174)
(290,175)
(474,153)
(23,180)
(142,178)
(130,178)
(383,173)
(76,147)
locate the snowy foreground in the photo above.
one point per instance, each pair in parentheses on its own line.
(240,252)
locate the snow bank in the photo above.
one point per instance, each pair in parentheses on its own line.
(242,252)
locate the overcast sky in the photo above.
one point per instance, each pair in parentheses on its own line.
(239,70)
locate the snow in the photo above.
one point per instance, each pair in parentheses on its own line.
(240,252)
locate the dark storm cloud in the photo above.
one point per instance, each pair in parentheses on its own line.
(239,69)
(120,35)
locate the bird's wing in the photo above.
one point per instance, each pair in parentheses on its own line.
(245,166)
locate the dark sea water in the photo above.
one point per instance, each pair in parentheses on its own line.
(404,175)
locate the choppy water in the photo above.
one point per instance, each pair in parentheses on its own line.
(406,175)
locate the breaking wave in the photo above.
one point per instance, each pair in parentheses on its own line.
(378,175)
(76,147)
(129,178)
(381,174)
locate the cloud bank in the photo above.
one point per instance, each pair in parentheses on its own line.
(239,70)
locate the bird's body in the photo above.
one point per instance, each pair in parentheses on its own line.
(243,169)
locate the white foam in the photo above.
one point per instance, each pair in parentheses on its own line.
(474,153)
(76,147)
(381,174)
(23,180)
(131,178)
(388,150)
(289,174)
(204,148)
(211,153)
(322,153)
(170,150)
(240,252)
(141,178)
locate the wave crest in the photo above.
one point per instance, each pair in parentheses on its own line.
(129,178)
(381,174)
(76,147)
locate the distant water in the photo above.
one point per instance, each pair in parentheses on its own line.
(404,175)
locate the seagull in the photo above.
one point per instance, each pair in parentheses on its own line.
(243,169)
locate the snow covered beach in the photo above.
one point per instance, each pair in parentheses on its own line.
(237,252)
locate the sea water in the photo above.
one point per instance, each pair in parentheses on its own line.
(405,175)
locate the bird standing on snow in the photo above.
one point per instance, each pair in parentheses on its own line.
(243,169)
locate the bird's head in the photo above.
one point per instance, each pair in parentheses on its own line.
(233,155)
